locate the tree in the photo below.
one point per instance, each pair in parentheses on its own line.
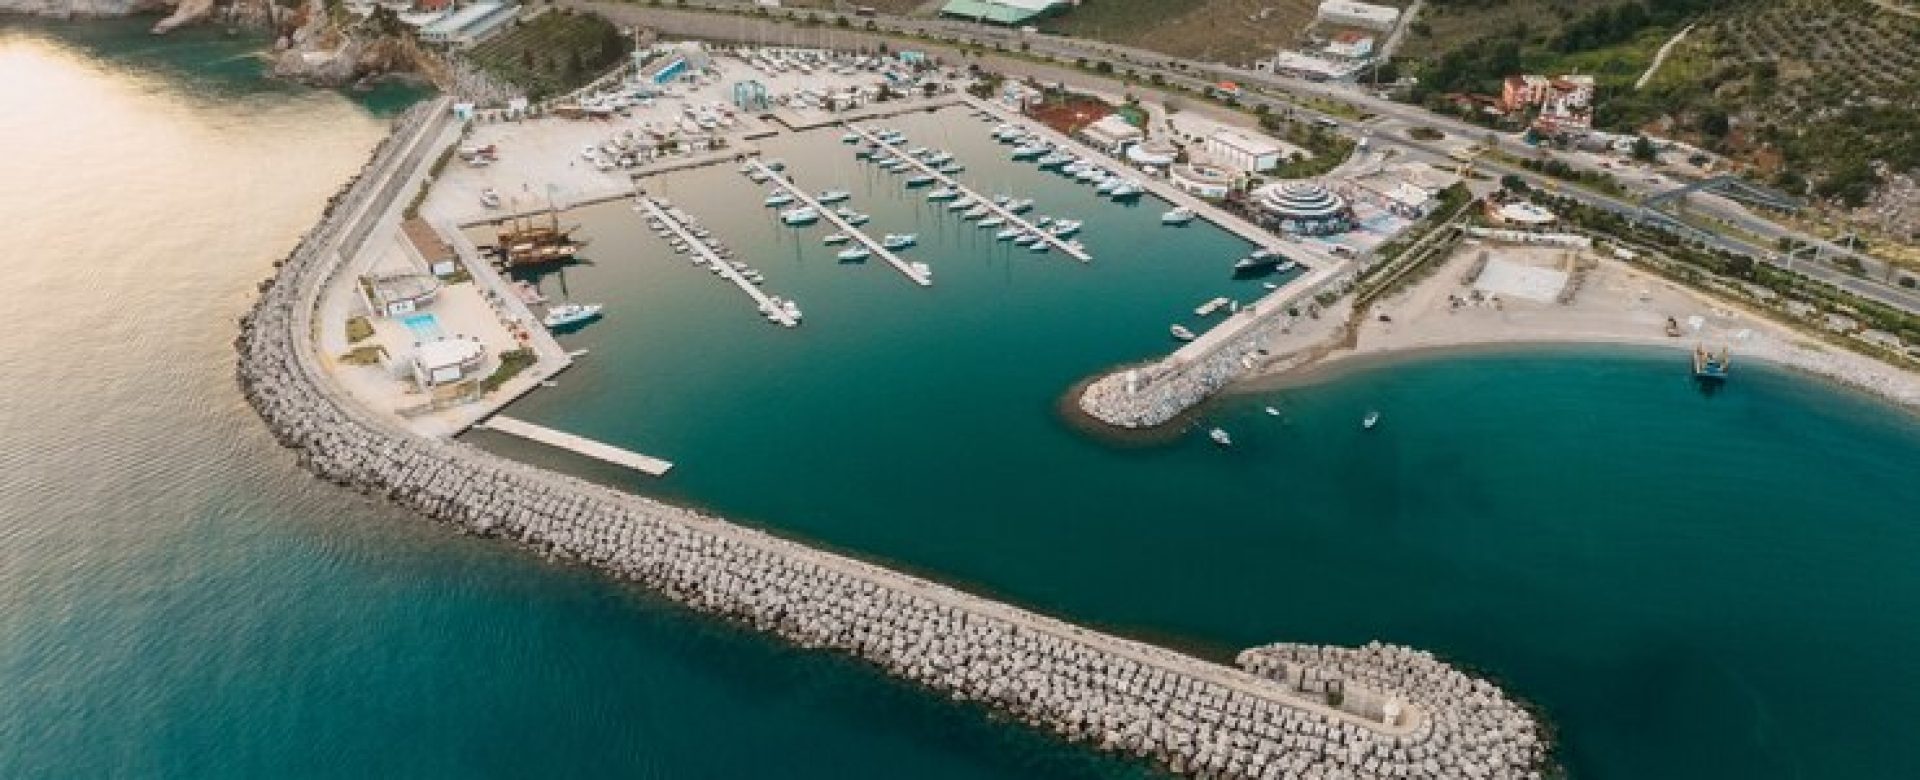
(1513,183)
(1643,149)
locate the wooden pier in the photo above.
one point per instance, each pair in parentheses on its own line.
(1071,250)
(916,275)
(650,466)
(765,302)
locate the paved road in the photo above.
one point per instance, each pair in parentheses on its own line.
(1278,93)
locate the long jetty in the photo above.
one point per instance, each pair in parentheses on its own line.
(766,303)
(1289,711)
(1070,249)
(579,445)
(878,249)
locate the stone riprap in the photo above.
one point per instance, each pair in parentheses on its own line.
(1194,716)
(1463,710)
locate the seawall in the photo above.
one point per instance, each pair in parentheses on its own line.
(1397,719)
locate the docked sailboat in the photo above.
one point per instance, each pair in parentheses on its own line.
(805,215)
(777,199)
(833,196)
(853,254)
(837,238)
(899,240)
(944,193)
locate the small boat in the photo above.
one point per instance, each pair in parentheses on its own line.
(837,238)
(1008,234)
(1020,206)
(1180,332)
(489,198)
(778,199)
(1040,248)
(1372,419)
(805,215)
(568,314)
(1066,227)
(976,212)
(1107,186)
(993,222)
(920,180)
(899,240)
(1179,216)
(1260,260)
(1220,437)
(1029,152)
(1128,190)
(952,168)
(921,268)
(857,220)
(1270,285)
(962,204)
(1273,411)
(850,138)
(1055,160)
(853,254)
(944,193)
(1027,239)
(833,196)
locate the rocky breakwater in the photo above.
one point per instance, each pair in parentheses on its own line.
(1193,716)
(1473,729)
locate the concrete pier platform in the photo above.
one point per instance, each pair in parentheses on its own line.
(579,445)
(1071,250)
(846,227)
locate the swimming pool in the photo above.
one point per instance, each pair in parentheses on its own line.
(425,327)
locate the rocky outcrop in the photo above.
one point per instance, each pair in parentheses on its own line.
(1192,716)
(331,49)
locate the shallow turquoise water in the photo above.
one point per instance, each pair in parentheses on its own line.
(1662,570)
(1692,586)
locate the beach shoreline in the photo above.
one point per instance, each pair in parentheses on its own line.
(1619,306)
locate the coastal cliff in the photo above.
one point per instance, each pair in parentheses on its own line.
(323,45)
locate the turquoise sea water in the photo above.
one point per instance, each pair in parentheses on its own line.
(1691,586)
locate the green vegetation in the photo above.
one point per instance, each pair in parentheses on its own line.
(512,362)
(1233,31)
(369,355)
(358,330)
(555,53)
(1424,133)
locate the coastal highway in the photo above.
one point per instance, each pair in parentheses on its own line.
(1281,94)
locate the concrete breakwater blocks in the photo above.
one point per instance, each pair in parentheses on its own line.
(1307,712)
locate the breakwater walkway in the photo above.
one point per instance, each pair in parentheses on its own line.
(846,228)
(1379,715)
(1070,248)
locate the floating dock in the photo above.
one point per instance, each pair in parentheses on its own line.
(767,306)
(845,227)
(1013,219)
(650,466)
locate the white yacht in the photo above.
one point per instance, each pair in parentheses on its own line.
(1181,215)
(805,215)
(899,240)
(1180,332)
(778,199)
(567,314)
(837,238)
(853,254)
(833,196)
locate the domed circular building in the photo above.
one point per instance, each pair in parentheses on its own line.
(1304,208)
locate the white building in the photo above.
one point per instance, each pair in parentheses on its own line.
(1112,133)
(1348,13)
(1245,154)
(447,361)
(469,25)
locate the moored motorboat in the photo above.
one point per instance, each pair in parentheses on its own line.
(853,254)
(1180,332)
(778,199)
(833,196)
(568,314)
(805,215)
(944,193)
(1180,215)
(837,238)
(1372,419)
(920,180)
(899,240)
(1220,437)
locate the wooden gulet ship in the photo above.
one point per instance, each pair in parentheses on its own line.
(527,240)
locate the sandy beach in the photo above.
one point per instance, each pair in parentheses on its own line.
(1614,304)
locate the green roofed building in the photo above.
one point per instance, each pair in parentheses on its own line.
(1009,12)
